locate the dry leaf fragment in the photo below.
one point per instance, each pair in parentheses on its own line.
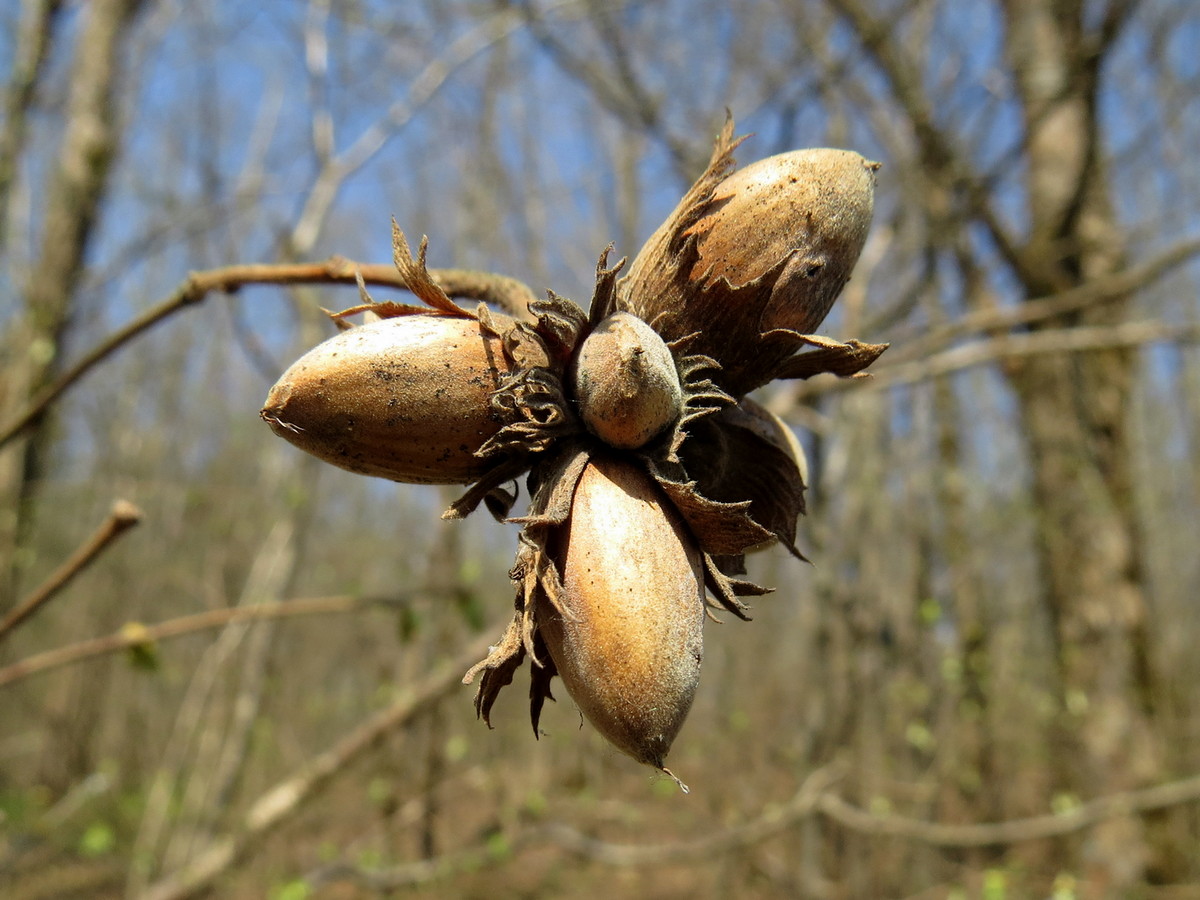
(746,453)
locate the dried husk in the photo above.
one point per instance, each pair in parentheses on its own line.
(751,261)
(754,417)
(747,453)
(627,640)
(404,398)
(625,382)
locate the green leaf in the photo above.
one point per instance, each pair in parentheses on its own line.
(297,889)
(98,840)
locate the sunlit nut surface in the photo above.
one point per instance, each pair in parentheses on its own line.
(630,658)
(404,398)
(626,383)
(810,207)
(748,262)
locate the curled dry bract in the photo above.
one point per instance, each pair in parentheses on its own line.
(628,641)
(750,261)
(756,418)
(404,398)
(625,382)
(809,210)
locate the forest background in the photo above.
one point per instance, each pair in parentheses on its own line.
(985,686)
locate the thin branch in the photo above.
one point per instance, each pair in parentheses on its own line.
(1013,831)
(335,169)
(215,730)
(316,62)
(124,515)
(280,803)
(939,149)
(1041,309)
(29,51)
(135,634)
(916,360)
(1080,339)
(1112,26)
(802,804)
(815,797)
(507,293)
(621,93)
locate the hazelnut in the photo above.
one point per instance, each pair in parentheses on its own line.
(403,398)
(629,641)
(625,382)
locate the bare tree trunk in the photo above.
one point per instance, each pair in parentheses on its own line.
(1074,409)
(32,46)
(73,195)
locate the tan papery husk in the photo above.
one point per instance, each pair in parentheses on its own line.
(748,273)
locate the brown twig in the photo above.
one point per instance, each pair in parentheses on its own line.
(815,797)
(1013,831)
(1040,309)
(279,804)
(507,293)
(1079,339)
(135,634)
(124,515)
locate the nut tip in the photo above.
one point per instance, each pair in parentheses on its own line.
(675,778)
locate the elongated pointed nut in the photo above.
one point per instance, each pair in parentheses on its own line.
(404,398)
(812,208)
(766,249)
(625,382)
(630,656)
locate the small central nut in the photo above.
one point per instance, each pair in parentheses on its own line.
(625,382)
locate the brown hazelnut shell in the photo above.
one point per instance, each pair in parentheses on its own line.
(405,398)
(751,260)
(625,382)
(628,641)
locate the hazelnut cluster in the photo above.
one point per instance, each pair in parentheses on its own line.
(651,474)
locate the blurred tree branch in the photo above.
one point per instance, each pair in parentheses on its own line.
(207,746)
(507,293)
(124,515)
(941,157)
(34,34)
(926,355)
(335,168)
(816,796)
(1013,831)
(277,806)
(1100,290)
(1079,339)
(79,169)
(135,634)
(621,91)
